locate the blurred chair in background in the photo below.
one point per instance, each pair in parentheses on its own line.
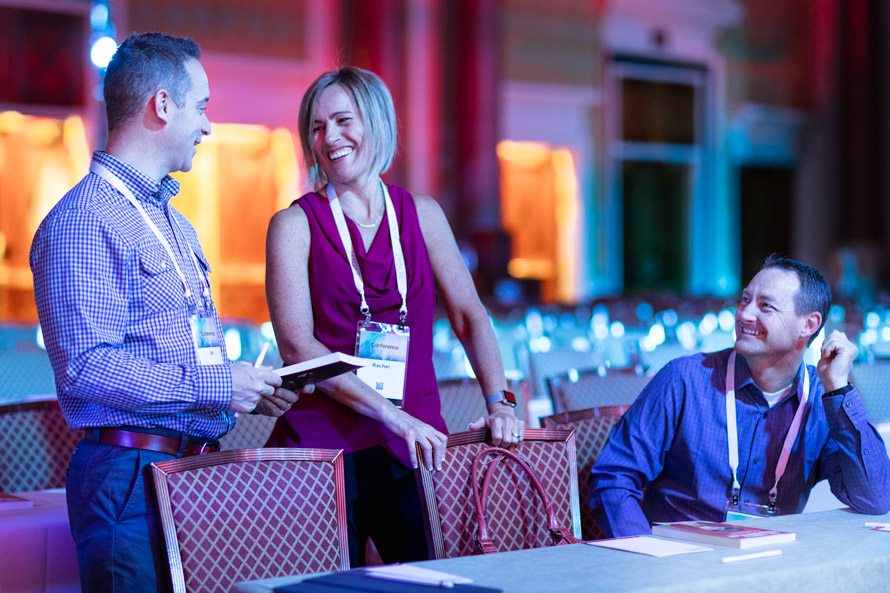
(662,355)
(592,428)
(557,361)
(251,432)
(251,514)
(26,375)
(516,518)
(873,383)
(463,402)
(35,446)
(577,390)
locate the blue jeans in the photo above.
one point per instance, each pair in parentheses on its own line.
(112,514)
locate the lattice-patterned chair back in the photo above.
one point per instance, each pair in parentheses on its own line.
(593,388)
(462,401)
(872,382)
(592,428)
(251,514)
(25,374)
(557,361)
(35,446)
(516,518)
(251,432)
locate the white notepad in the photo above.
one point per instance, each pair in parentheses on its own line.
(414,574)
(650,546)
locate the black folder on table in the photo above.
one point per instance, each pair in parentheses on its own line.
(356,580)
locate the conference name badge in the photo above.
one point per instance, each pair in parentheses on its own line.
(206,340)
(387,346)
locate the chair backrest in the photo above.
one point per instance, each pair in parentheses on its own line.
(516,519)
(592,388)
(251,432)
(872,381)
(35,446)
(463,402)
(663,354)
(556,361)
(25,374)
(251,514)
(592,428)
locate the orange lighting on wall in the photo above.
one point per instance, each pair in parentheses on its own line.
(240,177)
(40,159)
(539,209)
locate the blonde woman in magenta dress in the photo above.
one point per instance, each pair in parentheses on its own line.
(348,132)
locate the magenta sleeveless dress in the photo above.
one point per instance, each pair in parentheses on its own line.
(317,420)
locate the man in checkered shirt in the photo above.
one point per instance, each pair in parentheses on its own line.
(122,291)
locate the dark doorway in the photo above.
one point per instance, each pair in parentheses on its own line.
(655,226)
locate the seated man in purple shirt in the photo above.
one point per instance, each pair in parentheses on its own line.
(790,426)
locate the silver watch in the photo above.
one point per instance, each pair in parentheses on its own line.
(503,396)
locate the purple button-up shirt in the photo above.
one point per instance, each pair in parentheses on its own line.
(672,442)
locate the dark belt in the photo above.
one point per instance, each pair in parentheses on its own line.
(150,442)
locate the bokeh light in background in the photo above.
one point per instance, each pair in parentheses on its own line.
(233,343)
(102,51)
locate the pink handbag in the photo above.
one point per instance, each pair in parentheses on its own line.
(558,535)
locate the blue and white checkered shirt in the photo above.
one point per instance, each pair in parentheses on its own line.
(672,442)
(113,311)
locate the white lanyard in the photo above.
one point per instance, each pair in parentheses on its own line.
(114,180)
(732,434)
(398,256)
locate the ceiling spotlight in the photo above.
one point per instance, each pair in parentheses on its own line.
(102,50)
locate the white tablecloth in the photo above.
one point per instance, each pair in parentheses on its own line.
(37,553)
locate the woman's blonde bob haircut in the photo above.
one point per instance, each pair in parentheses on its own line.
(374,104)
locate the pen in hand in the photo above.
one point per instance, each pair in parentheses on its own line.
(259,359)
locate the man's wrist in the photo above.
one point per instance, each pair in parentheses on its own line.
(843,390)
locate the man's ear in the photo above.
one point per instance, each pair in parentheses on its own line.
(812,323)
(162,102)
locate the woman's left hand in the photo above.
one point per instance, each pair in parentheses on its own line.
(506,428)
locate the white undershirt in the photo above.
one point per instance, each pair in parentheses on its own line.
(777,396)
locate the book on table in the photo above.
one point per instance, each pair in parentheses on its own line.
(11,502)
(722,534)
(295,376)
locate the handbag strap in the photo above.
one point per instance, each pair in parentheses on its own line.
(484,544)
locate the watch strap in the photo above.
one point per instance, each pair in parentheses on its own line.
(503,396)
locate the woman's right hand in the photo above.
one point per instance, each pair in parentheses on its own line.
(412,430)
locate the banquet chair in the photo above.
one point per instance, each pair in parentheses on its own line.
(251,432)
(26,375)
(251,514)
(35,446)
(514,513)
(592,428)
(873,382)
(462,401)
(556,361)
(591,388)
(663,354)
